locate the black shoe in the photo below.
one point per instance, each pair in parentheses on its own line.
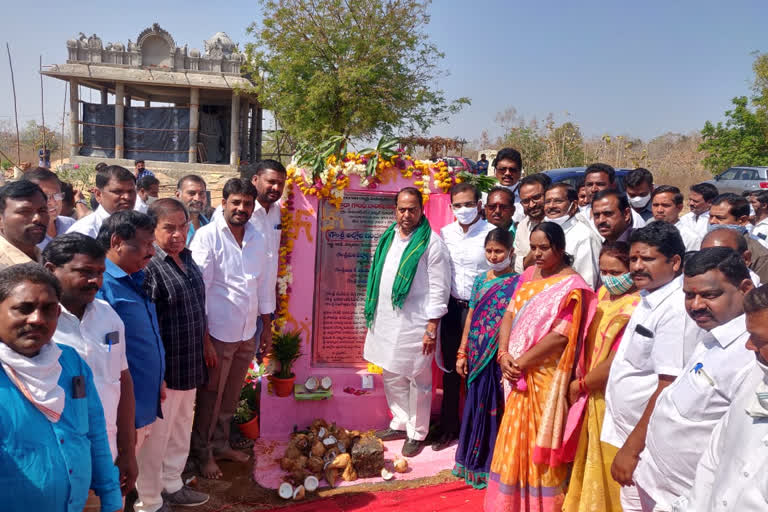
(443,442)
(390,434)
(412,448)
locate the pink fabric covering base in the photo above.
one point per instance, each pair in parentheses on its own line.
(267,455)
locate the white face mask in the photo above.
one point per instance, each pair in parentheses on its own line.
(466,215)
(497,267)
(558,220)
(639,201)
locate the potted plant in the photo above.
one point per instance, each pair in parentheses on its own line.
(286,349)
(246,420)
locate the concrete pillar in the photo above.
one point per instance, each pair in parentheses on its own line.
(147,103)
(74,118)
(244,107)
(234,130)
(194,123)
(104,96)
(119,119)
(252,135)
(259,133)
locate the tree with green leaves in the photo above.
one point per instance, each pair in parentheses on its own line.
(355,68)
(743,138)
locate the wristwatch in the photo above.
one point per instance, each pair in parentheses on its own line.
(431,334)
(81,201)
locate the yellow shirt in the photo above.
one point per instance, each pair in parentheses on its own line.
(11,255)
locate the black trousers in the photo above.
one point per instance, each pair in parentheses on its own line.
(451,329)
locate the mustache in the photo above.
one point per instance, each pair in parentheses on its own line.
(701,313)
(640,273)
(90,288)
(26,330)
(603,225)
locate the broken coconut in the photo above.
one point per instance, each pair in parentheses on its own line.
(285,491)
(311,483)
(330,455)
(330,441)
(321,433)
(349,474)
(318,450)
(401,465)
(386,475)
(331,476)
(311,384)
(315,465)
(341,461)
(326,383)
(298,493)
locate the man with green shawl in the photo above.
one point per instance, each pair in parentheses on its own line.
(408,288)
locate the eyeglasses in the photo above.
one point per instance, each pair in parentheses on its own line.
(56,197)
(470,204)
(505,170)
(532,199)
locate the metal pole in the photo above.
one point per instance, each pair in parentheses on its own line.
(42,105)
(63,116)
(15,111)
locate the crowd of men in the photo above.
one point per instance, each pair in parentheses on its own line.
(166,302)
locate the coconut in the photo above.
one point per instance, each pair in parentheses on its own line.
(322,432)
(285,491)
(401,465)
(349,474)
(330,441)
(315,464)
(297,476)
(292,452)
(341,447)
(318,449)
(331,476)
(311,384)
(302,442)
(311,483)
(298,493)
(341,461)
(286,464)
(319,422)
(326,383)
(386,475)
(330,455)
(301,462)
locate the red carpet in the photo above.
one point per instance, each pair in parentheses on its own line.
(445,497)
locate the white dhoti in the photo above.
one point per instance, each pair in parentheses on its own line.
(394,340)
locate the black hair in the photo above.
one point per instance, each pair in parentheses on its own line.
(741,240)
(500,235)
(756,299)
(239,186)
(145,182)
(621,198)
(15,275)
(616,249)
(39,174)
(581,184)
(63,248)
(464,187)
(663,236)
(21,189)
(509,154)
(502,190)
(69,192)
(124,224)
(706,190)
(726,260)
(162,207)
(556,237)
(598,167)
(137,162)
(739,205)
(570,192)
(538,178)
(761,196)
(99,166)
(270,165)
(105,174)
(193,178)
(637,177)
(412,191)
(677,196)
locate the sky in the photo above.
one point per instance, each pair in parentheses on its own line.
(637,68)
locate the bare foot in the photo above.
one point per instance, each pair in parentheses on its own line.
(230,454)
(209,469)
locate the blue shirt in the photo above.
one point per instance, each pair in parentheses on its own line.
(143,344)
(145,172)
(50,466)
(191,233)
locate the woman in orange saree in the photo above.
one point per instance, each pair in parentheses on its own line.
(538,342)
(592,488)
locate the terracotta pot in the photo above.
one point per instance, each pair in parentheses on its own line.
(282,387)
(250,429)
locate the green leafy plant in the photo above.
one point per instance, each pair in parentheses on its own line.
(243,413)
(286,349)
(481,182)
(386,149)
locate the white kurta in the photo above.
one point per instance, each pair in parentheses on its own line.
(394,340)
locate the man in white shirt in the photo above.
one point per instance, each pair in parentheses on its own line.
(581,242)
(599,177)
(724,237)
(639,185)
(532,189)
(652,353)
(732,211)
(405,299)
(760,202)
(732,474)
(115,192)
(96,332)
(700,198)
(715,283)
(465,239)
(508,166)
(229,252)
(667,203)
(147,191)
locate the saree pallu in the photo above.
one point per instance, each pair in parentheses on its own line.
(592,488)
(529,469)
(484,404)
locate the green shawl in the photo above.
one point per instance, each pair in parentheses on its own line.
(405,271)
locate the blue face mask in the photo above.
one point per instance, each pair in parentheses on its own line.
(736,227)
(617,285)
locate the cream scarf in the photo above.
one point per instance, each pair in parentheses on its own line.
(37,377)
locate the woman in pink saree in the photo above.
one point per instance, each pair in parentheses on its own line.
(539,339)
